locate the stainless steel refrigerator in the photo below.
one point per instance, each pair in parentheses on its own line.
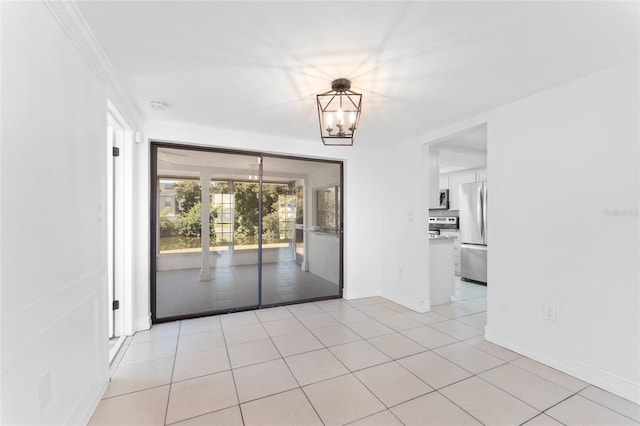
(473,231)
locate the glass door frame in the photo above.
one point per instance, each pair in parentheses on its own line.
(154,236)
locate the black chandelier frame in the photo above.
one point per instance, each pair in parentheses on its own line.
(339,102)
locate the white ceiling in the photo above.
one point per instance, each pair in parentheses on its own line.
(256,66)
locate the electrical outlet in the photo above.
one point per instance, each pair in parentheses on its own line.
(550,312)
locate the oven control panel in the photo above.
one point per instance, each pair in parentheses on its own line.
(443,222)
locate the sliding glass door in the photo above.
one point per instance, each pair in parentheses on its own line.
(230,231)
(301,256)
(202,261)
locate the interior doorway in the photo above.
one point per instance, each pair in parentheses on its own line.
(116,136)
(458,167)
(235,230)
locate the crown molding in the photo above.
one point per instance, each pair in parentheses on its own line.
(77,29)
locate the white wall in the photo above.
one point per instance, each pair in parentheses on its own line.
(53,182)
(361,205)
(561,163)
(141,249)
(403,205)
(565,186)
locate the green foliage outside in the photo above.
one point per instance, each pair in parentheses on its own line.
(187,222)
(246,211)
(271,226)
(167,223)
(187,194)
(182,230)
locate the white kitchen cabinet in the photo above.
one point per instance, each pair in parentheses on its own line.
(441,271)
(455,235)
(455,179)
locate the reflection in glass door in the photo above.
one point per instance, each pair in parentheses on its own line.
(227,231)
(299,225)
(300,263)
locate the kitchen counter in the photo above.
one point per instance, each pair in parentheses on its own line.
(441,269)
(440,237)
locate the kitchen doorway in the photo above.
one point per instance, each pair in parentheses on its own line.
(234,230)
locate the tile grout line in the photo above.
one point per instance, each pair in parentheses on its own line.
(204,375)
(175,355)
(460,407)
(294,316)
(579,393)
(470,372)
(290,371)
(397,332)
(558,403)
(349,372)
(481,378)
(233,377)
(352,373)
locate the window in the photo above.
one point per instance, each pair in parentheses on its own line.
(179,215)
(222,203)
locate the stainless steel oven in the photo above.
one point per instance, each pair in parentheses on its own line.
(436,223)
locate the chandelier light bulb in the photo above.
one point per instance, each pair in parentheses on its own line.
(340,115)
(329,123)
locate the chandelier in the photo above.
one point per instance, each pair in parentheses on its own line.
(339,113)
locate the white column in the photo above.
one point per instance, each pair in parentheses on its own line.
(230,191)
(205,270)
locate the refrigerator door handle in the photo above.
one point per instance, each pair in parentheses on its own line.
(485,197)
(479,212)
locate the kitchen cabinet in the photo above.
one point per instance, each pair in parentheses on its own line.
(455,179)
(444,181)
(441,276)
(454,234)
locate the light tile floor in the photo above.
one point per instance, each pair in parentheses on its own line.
(360,362)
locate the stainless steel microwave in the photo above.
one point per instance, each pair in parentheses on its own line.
(443,199)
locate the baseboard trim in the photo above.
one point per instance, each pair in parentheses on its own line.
(353,295)
(142,323)
(420,308)
(87,405)
(592,375)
